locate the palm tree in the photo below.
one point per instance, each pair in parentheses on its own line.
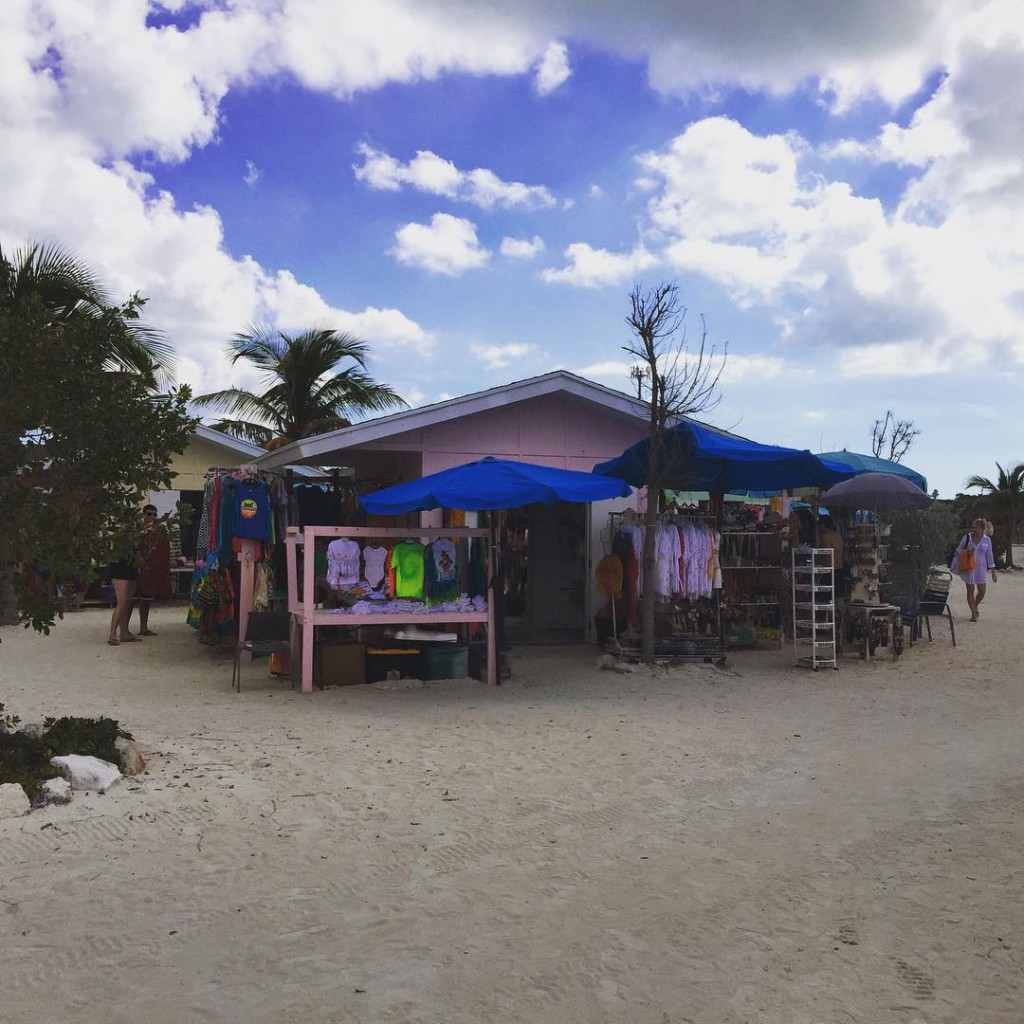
(67,288)
(1006,495)
(303,394)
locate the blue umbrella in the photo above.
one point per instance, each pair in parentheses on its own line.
(700,458)
(869,464)
(492,484)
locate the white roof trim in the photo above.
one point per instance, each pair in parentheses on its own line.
(325,446)
(252,452)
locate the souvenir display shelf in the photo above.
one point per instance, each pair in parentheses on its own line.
(306,616)
(750,590)
(814,608)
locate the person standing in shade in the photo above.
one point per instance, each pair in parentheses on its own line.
(155,575)
(829,537)
(123,578)
(977,544)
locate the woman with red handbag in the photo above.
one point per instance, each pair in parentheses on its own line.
(973,561)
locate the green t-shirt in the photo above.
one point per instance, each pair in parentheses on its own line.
(407,561)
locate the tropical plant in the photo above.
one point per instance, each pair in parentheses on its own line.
(61,283)
(1006,496)
(919,542)
(80,446)
(304,392)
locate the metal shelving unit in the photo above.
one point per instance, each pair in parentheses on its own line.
(761,612)
(814,607)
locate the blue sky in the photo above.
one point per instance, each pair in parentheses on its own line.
(474,189)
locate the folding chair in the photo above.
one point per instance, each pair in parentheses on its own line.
(266,633)
(934,601)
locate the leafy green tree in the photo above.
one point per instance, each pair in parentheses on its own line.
(919,541)
(1005,497)
(305,393)
(60,282)
(80,444)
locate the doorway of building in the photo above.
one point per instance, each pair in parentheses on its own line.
(544,549)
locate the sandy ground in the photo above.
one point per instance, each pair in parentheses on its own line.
(764,844)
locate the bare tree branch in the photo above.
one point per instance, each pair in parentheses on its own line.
(891,438)
(675,381)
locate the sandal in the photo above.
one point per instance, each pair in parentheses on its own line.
(146,632)
(114,642)
(131,638)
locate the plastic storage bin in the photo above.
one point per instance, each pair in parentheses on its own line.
(446,661)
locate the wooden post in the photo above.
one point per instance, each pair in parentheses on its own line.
(308,610)
(246,584)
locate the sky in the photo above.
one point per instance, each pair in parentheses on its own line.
(474,188)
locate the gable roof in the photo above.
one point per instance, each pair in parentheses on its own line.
(246,451)
(323,449)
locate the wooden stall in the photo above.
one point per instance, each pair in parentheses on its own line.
(307,615)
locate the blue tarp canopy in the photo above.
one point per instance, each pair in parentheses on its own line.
(492,484)
(869,464)
(700,458)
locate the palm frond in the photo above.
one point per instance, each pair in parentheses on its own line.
(982,482)
(240,402)
(245,431)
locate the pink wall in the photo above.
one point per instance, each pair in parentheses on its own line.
(551,430)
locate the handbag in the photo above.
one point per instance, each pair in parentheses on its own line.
(966,562)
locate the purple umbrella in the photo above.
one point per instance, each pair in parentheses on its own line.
(876,491)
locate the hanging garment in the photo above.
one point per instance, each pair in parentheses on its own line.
(407,562)
(251,509)
(666,560)
(608,576)
(343,563)
(478,566)
(622,545)
(441,572)
(261,588)
(375,569)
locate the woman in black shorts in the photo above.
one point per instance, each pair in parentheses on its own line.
(123,577)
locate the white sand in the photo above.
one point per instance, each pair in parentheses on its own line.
(768,845)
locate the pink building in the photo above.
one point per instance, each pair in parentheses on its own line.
(557,419)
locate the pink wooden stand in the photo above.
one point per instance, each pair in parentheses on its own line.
(306,616)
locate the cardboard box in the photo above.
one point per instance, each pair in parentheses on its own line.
(340,663)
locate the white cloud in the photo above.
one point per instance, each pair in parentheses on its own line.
(738,368)
(494,357)
(522,248)
(448,245)
(609,368)
(427,172)
(294,305)
(837,269)
(910,358)
(553,69)
(596,268)
(137,239)
(252,173)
